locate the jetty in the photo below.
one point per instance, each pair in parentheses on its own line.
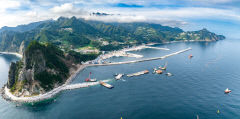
(157,48)
(82,85)
(12,53)
(143,47)
(143,60)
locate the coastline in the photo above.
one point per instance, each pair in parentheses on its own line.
(6,94)
(182,41)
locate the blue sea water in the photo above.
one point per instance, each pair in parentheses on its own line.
(197,87)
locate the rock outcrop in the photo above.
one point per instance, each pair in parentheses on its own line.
(42,68)
(11,75)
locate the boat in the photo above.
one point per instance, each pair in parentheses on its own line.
(164,68)
(89,79)
(159,71)
(106,85)
(227,91)
(154,70)
(119,76)
(138,73)
(168,74)
(190,56)
(146,72)
(197,117)
(218,112)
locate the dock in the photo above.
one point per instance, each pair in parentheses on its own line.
(12,53)
(144,47)
(158,48)
(143,60)
(82,85)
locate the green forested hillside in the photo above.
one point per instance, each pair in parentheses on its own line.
(73,33)
(43,67)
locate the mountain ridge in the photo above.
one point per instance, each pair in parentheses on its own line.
(73,33)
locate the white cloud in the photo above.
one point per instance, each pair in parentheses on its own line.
(32,14)
(5,4)
(166,16)
(67,7)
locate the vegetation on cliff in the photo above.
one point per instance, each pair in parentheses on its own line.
(42,68)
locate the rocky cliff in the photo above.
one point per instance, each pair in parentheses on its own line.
(42,68)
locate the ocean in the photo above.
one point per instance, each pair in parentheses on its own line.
(196,87)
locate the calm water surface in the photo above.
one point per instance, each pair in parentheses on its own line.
(197,88)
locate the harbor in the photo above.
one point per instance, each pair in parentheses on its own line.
(67,86)
(191,82)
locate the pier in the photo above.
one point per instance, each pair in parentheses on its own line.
(83,85)
(144,47)
(12,53)
(157,48)
(143,60)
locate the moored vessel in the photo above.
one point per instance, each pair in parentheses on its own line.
(119,76)
(227,91)
(89,79)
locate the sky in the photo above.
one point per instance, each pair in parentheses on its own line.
(219,16)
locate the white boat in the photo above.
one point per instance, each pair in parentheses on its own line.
(168,74)
(154,70)
(163,68)
(118,77)
(227,91)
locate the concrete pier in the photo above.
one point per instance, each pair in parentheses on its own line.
(83,85)
(148,59)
